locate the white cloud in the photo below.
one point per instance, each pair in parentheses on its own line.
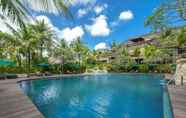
(100,8)
(45,18)
(105,6)
(82,2)
(68,34)
(71,35)
(101,46)
(99,27)
(97,9)
(82,12)
(126,15)
(114,23)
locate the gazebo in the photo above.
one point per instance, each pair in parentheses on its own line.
(57,60)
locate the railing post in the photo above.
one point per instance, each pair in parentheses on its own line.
(181,80)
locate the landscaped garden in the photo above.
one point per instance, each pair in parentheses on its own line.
(36,48)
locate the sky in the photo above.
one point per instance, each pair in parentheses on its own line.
(100,22)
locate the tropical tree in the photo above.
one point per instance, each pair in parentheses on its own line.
(7,44)
(167,15)
(181,38)
(81,51)
(165,19)
(44,35)
(153,54)
(157,20)
(137,53)
(28,43)
(18,10)
(125,56)
(77,46)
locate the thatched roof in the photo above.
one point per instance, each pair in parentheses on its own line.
(56,60)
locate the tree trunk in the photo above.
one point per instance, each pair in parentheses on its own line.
(41,51)
(19,60)
(79,62)
(29,61)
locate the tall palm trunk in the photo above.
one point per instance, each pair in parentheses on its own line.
(79,60)
(19,60)
(28,61)
(41,51)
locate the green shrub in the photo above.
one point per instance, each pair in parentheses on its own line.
(74,68)
(12,69)
(164,68)
(115,68)
(143,68)
(120,68)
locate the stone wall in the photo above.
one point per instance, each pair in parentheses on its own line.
(180,71)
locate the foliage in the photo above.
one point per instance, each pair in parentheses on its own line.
(137,52)
(167,15)
(73,68)
(157,20)
(164,68)
(181,38)
(17,11)
(143,68)
(27,46)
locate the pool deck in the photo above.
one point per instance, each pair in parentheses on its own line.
(14,104)
(178,99)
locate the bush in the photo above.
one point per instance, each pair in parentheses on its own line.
(115,68)
(120,68)
(12,69)
(164,68)
(143,68)
(74,68)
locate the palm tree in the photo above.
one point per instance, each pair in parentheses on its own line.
(80,49)
(153,54)
(168,14)
(27,42)
(5,44)
(137,53)
(64,52)
(181,38)
(17,10)
(44,34)
(157,20)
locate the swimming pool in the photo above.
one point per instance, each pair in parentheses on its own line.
(100,96)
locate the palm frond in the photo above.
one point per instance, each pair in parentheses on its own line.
(58,7)
(14,10)
(18,11)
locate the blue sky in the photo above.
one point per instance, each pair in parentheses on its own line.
(102,21)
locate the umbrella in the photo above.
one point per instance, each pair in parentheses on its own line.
(6,63)
(44,65)
(56,60)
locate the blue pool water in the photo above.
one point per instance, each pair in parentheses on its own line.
(100,96)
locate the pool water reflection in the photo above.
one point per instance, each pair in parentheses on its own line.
(100,96)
